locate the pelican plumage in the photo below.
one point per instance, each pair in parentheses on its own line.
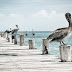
(61,34)
(8,31)
(15,30)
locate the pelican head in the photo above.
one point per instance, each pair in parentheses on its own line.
(17,27)
(10,29)
(68,17)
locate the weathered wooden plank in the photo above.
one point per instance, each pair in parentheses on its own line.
(15,58)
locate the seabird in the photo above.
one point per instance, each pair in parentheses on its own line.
(15,30)
(8,31)
(61,34)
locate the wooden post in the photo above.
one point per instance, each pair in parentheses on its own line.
(21,40)
(8,37)
(15,38)
(12,38)
(45,46)
(4,35)
(1,35)
(65,53)
(31,44)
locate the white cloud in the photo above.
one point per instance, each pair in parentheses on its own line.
(10,20)
(41,13)
(53,12)
(2,14)
(52,21)
(44,13)
(12,14)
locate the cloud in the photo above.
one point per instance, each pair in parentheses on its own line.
(9,20)
(12,14)
(53,12)
(41,13)
(2,14)
(44,13)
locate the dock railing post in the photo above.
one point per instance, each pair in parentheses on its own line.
(21,40)
(31,44)
(4,35)
(1,34)
(15,38)
(45,46)
(8,37)
(65,53)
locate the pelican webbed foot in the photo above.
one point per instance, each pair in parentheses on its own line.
(62,43)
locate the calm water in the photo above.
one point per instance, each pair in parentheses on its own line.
(39,35)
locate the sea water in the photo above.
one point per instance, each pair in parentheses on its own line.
(39,36)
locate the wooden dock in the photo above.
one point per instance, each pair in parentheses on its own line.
(15,58)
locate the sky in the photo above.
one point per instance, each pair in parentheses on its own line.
(40,15)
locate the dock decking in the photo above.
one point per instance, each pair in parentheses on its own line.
(15,58)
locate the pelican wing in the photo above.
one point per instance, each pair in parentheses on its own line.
(14,30)
(7,31)
(58,33)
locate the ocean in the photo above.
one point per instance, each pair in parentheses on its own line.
(39,36)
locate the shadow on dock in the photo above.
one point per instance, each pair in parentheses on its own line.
(8,55)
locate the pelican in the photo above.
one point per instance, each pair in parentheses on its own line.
(8,31)
(61,34)
(15,30)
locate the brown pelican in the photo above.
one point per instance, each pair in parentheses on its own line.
(61,34)
(15,30)
(8,31)
(14,34)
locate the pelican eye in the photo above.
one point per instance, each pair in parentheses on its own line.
(66,15)
(70,16)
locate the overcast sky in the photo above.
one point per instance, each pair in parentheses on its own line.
(40,15)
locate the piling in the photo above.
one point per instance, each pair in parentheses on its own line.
(12,38)
(8,37)
(21,40)
(15,38)
(65,53)
(31,44)
(4,35)
(45,46)
(1,35)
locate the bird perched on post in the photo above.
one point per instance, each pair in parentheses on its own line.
(15,30)
(61,34)
(8,31)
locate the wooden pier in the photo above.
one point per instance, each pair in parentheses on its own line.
(15,58)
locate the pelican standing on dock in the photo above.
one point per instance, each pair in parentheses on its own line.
(61,34)
(7,34)
(14,32)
